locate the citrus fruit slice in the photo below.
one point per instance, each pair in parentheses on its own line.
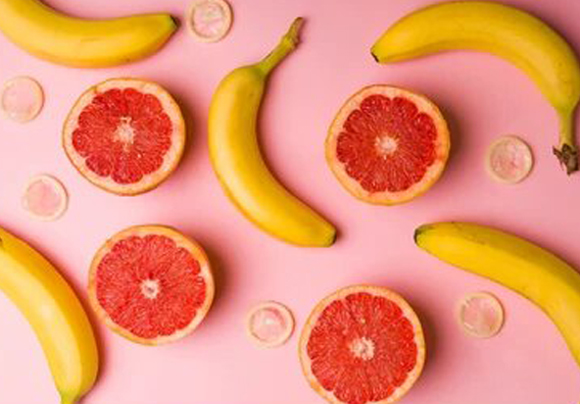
(387,145)
(509,160)
(151,284)
(362,344)
(269,324)
(209,20)
(125,135)
(22,99)
(45,198)
(480,315)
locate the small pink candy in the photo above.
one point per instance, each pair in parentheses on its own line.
(480,315)
(45,198)
(269,324)
(22,99)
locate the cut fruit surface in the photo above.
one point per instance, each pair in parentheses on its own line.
(509,160)
(387,145)
(45,198)
(22,99)
(151,284)
(209,20)
(125,135)
(480,315)
(362,344)
(269,324)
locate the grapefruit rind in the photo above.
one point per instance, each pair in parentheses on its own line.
(280,308)
(527,157)
(408,312)
(497,307)
(171,159)
(181,241)
(226,23)
(433,173)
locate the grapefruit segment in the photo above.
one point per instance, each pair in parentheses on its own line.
(269,324)
(151,284)
(387,145)
(125,135)
(480,315)
(509,160)
(362,344)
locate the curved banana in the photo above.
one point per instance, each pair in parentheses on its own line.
(518,264)
(54,312)
(505,31)
(65,40)
(238,163)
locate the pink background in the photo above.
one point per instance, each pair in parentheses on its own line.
(482,97)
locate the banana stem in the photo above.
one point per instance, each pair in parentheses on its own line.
(567,153)
(285,47)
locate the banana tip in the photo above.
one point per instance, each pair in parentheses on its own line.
(568,157)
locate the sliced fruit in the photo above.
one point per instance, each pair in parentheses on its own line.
(151,284)
(387,145)
(209,20)
(362,344)
(480,314)
(269,324)
(125,135)
(509,160)
(45,198)
(22,99)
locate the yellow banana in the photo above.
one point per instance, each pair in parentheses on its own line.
(518,264)
(238,162)
(505,31)
(61,39)
(54,312)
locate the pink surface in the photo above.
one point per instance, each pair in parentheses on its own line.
(482,97)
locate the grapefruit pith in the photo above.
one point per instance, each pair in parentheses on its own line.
(362,344)
(387,145)
(125,135)
(151,284)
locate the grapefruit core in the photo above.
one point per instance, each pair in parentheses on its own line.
(387,145)
(125,135)
(151,284)
(362,344)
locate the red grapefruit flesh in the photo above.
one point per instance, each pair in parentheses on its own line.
(509,160)
(269,324)
(125,135)
(362,344)
(480,315)
(22,99)
(209,20)
(387,145)
(151,284)
(45,198)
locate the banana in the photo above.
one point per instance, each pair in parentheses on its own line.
(505,31)
(520,265)
(61,39)
(238,163)
(54,312)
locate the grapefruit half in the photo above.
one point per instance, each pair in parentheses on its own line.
(151,284)
(362,344)
(125,135)
(387,145)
